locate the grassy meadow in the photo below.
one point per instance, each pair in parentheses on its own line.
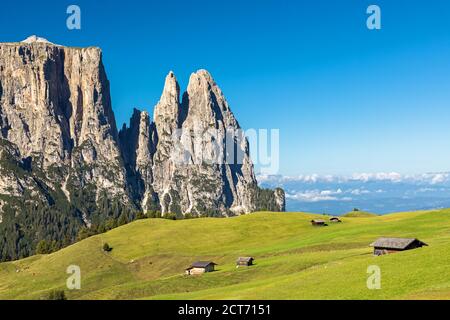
(293,260)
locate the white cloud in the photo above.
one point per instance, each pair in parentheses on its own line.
(381,176)
(358,192)
(439,178)
(393,177)
(318,195)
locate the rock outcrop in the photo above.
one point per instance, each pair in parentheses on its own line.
(64,165)
(194,174)
(138,148)
(56,109)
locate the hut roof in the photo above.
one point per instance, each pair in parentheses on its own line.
(245,259)
(202,264)
(395,243)
(318,221)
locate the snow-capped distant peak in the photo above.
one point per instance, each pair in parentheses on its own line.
(34,39)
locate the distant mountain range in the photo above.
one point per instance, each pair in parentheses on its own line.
(374,192)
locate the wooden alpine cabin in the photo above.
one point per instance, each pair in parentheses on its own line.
(200,267)
(392,245)
(319,223)
(244,262)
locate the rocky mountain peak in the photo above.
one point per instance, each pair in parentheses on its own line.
(167,110)
(54,99)
(206,105)
(35,39)
(201,74)
(201,81)
(136,140)
(62,158)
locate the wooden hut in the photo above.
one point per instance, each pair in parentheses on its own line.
(335,219)
(391,245)
(244,261)
(200,267)
(319,223)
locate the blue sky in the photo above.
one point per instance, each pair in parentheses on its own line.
(346,99)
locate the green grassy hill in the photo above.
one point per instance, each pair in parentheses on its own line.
(293,260)
(359,214)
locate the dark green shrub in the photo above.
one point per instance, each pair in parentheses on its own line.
(106,247)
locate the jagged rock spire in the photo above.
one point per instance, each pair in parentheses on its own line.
(190,186)
(138,146)
(167,111)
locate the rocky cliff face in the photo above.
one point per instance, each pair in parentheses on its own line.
(56,109)
(192,172)
(64,163)
(138,149)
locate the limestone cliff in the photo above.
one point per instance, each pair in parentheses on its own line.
(138,148)
(200,178)
(56,109)
(64,165)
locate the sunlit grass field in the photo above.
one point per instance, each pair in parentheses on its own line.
(293,260)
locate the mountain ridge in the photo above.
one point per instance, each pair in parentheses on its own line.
(65,165)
